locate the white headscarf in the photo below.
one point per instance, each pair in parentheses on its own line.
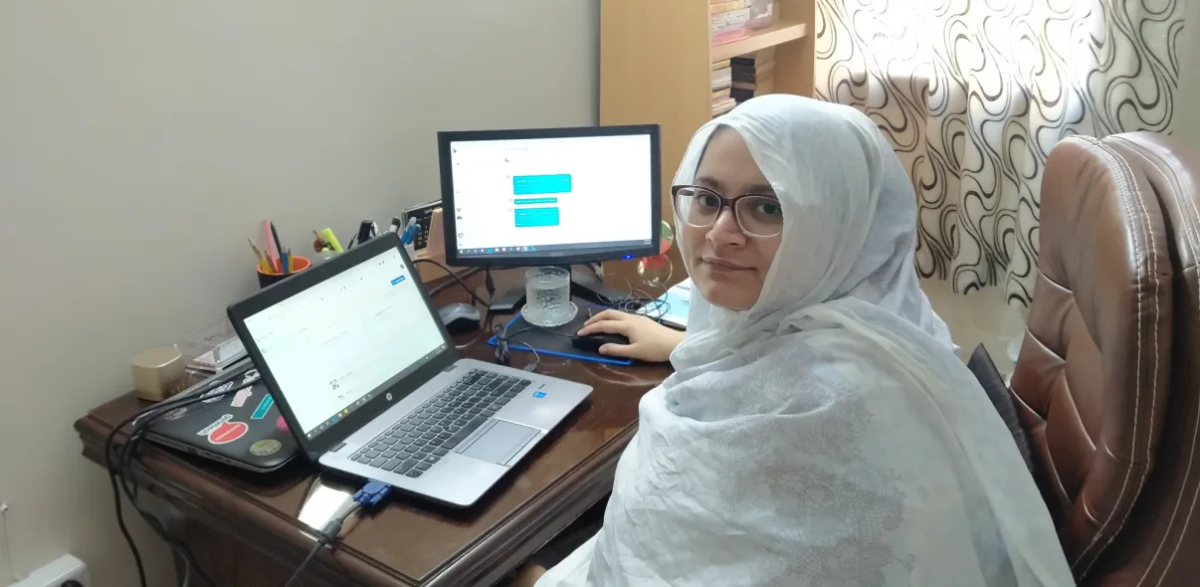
(849,230)
(828,435)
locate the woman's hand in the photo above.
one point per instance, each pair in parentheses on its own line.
(648,340)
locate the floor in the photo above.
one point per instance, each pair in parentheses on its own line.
(979,317)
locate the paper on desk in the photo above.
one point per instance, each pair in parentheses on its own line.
(672,307)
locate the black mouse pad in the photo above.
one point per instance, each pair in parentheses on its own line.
(556,342)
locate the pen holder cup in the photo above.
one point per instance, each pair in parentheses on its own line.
(298,264)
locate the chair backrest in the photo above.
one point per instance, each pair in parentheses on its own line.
(1091,379)
(1160,545)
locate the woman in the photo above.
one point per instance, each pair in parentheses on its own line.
(819,428)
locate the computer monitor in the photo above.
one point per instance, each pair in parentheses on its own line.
(559,196)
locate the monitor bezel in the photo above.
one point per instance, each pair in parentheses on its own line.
(453,258)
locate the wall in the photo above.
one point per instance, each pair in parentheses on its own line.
(141,141)
(1188,122)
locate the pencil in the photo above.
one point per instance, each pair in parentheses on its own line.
(262,259)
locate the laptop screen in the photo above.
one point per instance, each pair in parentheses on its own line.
(335,345)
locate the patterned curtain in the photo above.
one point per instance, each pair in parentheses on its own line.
(973,95)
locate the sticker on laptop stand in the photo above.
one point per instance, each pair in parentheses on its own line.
(265,448)
(228,432)
(175,414)
(281,424)
(239,398)
(223,431)
(214,395)
(209,429)
(539,394)
(263,407)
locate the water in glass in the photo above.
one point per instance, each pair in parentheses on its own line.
(548,297)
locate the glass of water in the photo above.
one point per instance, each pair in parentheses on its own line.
(548,297)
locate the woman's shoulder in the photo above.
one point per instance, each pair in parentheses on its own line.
(792,374)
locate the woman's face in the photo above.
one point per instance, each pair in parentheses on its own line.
(728,266)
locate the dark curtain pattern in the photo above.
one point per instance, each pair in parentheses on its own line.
(974,94)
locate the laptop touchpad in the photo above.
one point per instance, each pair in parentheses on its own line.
(500,442)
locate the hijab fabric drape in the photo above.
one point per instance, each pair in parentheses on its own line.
(829,435)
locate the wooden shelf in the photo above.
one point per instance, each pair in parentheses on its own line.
(776,34)
(656,59)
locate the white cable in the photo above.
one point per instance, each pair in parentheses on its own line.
(12,566)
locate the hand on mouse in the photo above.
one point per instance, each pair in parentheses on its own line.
(648,340)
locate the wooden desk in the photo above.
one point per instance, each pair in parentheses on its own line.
(244,531)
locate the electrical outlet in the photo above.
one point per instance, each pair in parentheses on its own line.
(65,571)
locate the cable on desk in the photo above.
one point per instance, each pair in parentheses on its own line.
(439,288)
(488,283)
(128,482)
(460,281)
(120,471)
(371,495)
(503,339)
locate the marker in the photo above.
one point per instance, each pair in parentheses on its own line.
(332,240)
(410,231)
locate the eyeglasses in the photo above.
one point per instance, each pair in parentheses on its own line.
(757,215)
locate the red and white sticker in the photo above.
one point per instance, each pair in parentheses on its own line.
(223,431)
(228,432)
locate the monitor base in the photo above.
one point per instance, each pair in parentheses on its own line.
(584,285)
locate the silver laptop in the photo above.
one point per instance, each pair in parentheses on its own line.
(370,384)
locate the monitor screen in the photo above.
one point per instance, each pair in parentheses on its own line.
(335,345)
(578,197)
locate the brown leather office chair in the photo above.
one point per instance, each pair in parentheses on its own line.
(1160,543)
(1092,378)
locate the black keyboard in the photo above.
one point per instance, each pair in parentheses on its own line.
(430,432)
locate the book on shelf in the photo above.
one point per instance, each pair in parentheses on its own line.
(725,37)
(743,69)
(722,78)
(740,95)
(729,25)
(737,17)
(748,73)
(722,107)
(765,84)
(718,65)
(722,6)
(731,21)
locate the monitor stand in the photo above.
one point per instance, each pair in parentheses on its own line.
(584,284)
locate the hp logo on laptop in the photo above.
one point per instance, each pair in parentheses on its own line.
(388,397)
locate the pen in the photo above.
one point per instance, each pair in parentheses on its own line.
(284,261)
(395,225)
(279,246)
(272,248)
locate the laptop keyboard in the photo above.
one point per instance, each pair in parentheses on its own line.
(422,438)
